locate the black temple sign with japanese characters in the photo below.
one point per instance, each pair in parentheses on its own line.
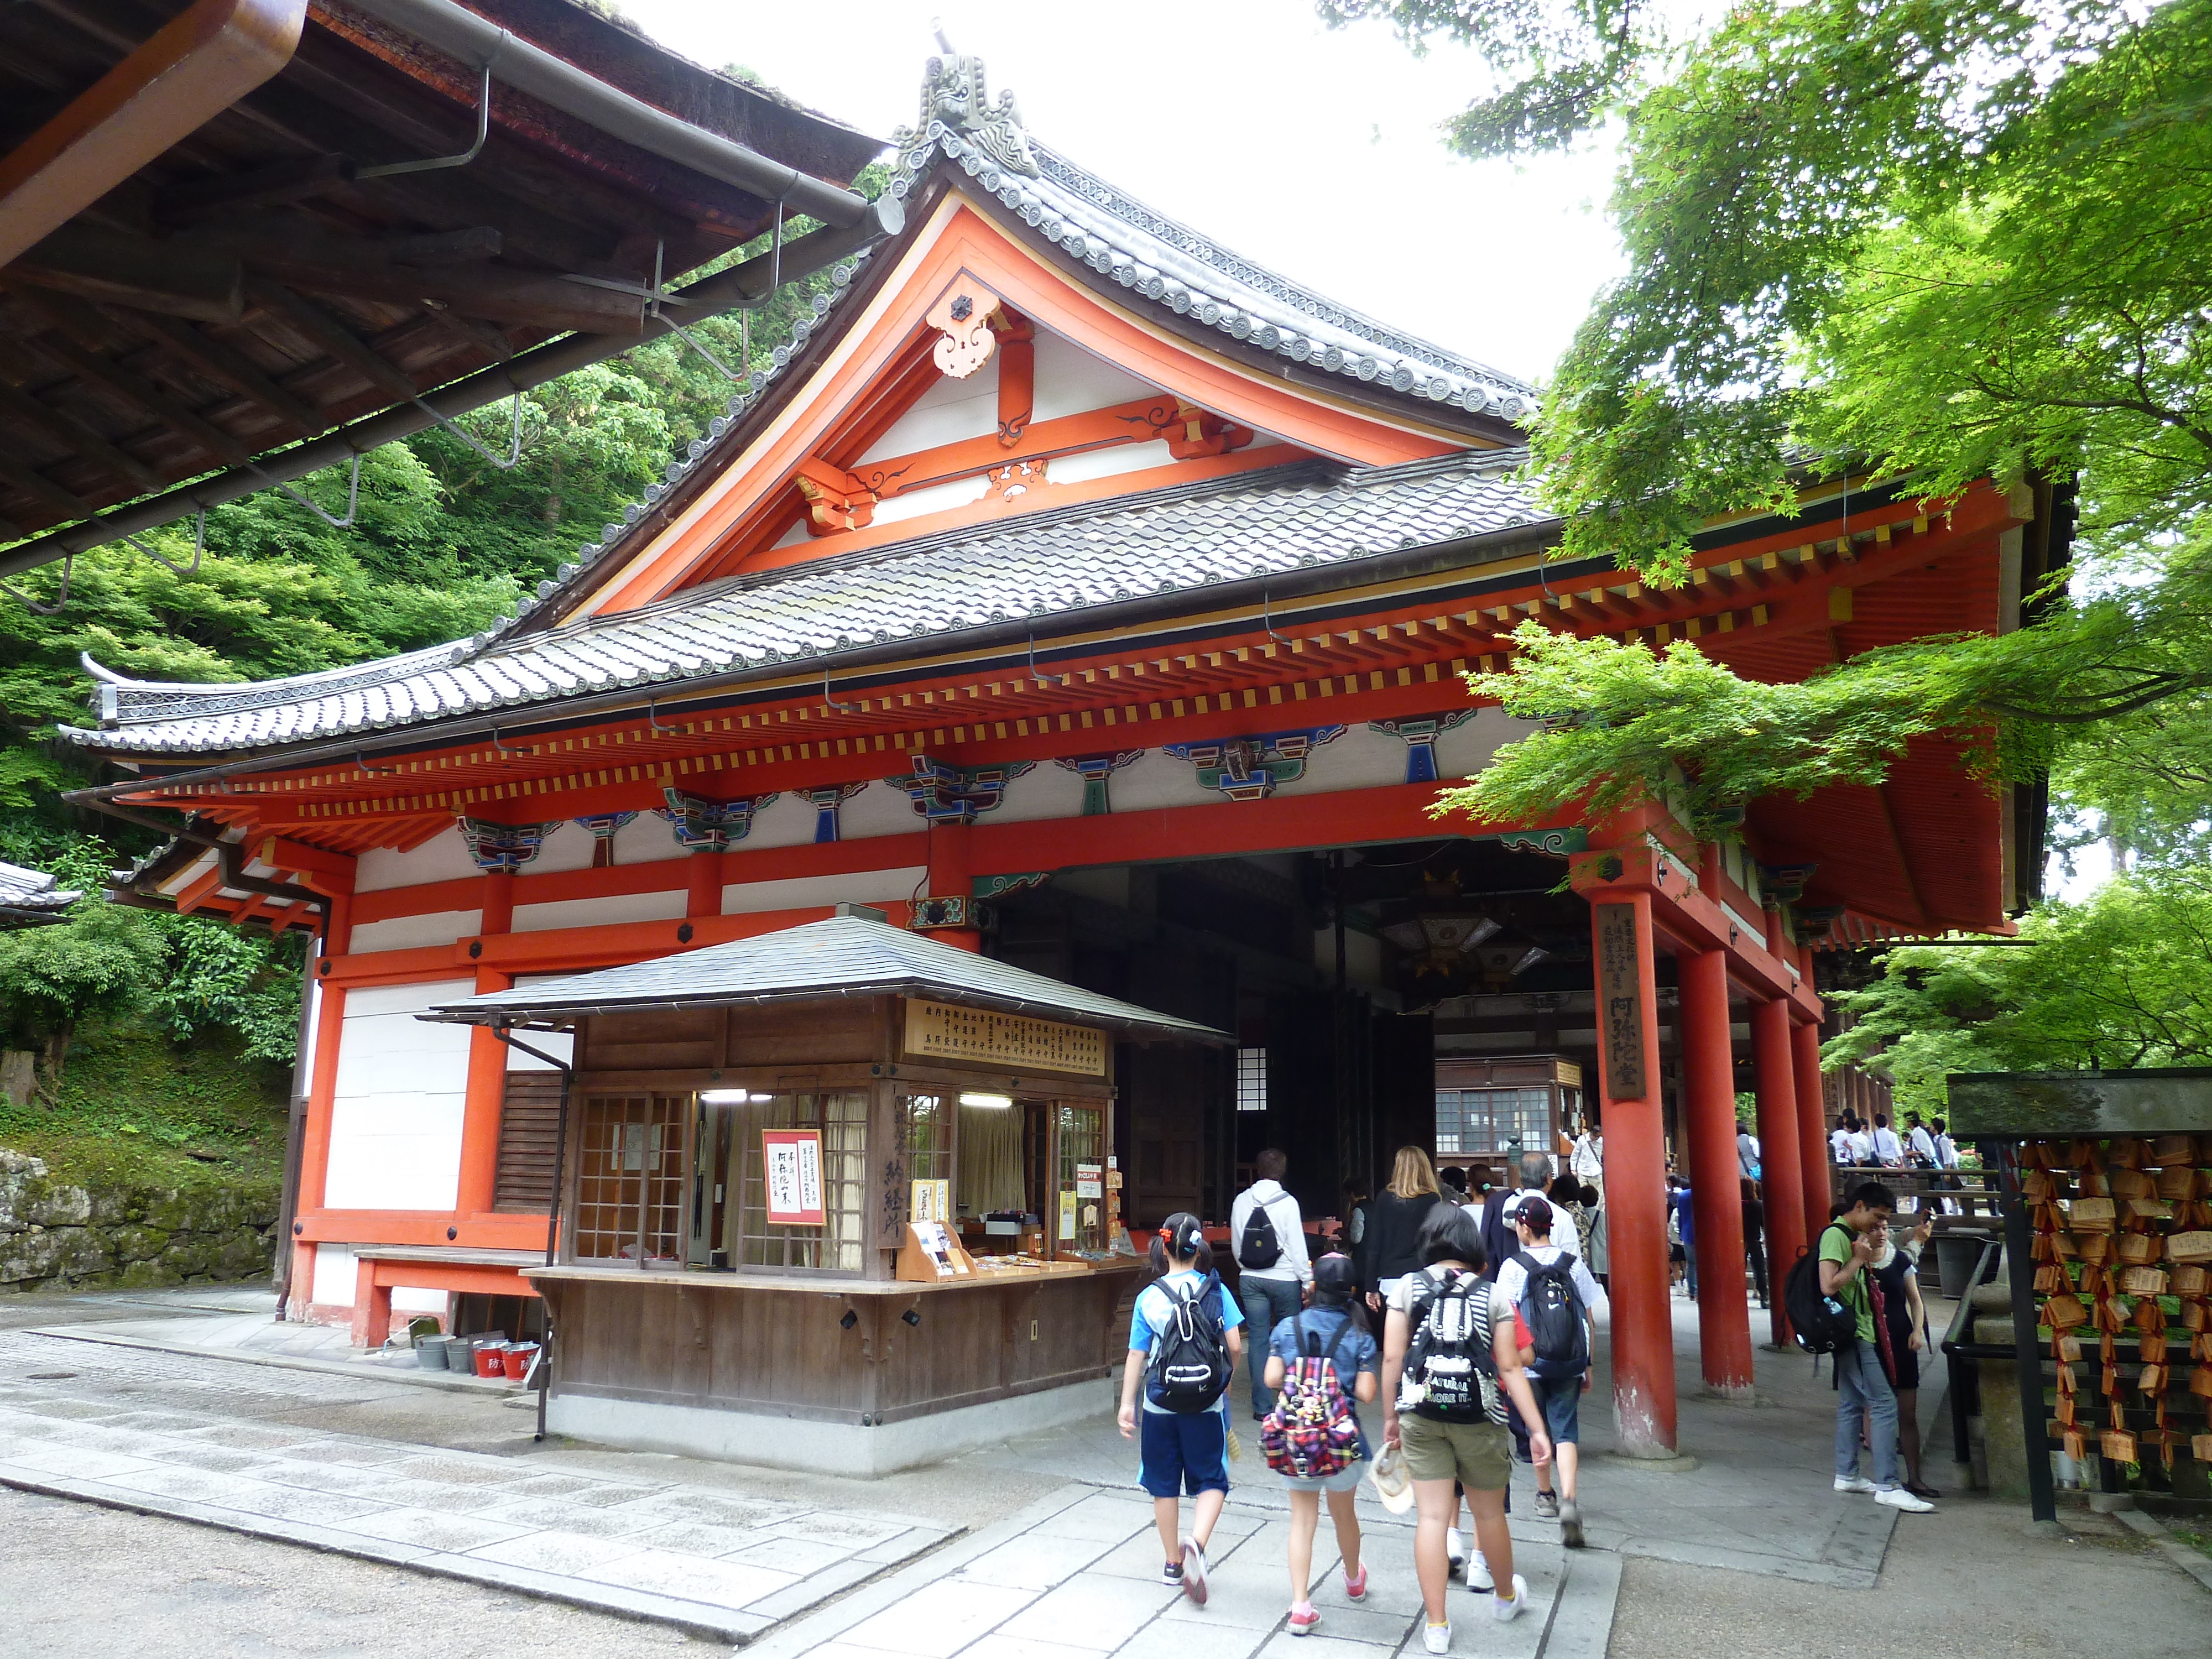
(940,1030)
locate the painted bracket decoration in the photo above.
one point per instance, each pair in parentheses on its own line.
(1552,843)
(710,826)
(999,886)
(945,910)
(1253,768)
(961,315)
(1421,736)
(1095,770)
(1785,883)
(942,793)
(603,827)
(825,802)
(503,849)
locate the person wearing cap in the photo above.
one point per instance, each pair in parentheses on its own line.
(1334,1327)
(1558,1390)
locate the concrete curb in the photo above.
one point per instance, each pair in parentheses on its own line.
(1582,1612)
(480,1386)
(695,1619)
(2194,1562)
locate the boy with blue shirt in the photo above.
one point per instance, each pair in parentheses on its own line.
(1180,1451)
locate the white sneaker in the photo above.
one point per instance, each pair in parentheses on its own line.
(1855,1483)
(1503,1609)
(1897,1498)
(1437,1637)
(1455,1551)
(1477,1574)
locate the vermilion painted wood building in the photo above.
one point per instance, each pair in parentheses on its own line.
(1084,593)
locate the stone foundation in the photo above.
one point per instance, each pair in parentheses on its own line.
(55,1236)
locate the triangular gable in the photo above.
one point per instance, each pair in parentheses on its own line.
(876,364)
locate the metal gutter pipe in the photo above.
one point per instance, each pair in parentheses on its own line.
(483,45)
(726,290)
(516,723)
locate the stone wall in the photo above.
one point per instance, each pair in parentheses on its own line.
(56,1236)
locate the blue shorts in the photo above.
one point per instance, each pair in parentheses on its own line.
(1560,1399)
(1180,1452)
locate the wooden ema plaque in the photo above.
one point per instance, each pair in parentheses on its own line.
(941,1031)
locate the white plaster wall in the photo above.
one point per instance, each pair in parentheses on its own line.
(1108,463)
(665,906)
(415,932)
(948,412)
(647,838)
(935,498)
(787,821)
(334,1276)
(568,848)
(1155,778)
(444,857)
(1462,753)
(395,1111)
(1046,791)
(879,809)
(1358,758)
(1070,379)
(804,892)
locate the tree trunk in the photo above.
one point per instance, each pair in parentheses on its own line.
(52,1052)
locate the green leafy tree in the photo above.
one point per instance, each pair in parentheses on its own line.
(2122,979)
(1945,239)
(53,977)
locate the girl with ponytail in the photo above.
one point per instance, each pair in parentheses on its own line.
(1183,1348)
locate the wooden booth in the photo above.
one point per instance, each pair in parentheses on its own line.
(1490,1111)
(836,1197)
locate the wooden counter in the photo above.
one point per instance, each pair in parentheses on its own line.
(646,1357)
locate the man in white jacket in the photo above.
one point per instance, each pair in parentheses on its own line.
(1271,1270)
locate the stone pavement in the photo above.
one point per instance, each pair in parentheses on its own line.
(708,1562)
(1076,1576)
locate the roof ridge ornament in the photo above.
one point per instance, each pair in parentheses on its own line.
(956,92)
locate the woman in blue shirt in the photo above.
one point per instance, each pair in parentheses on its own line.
(1335,1327)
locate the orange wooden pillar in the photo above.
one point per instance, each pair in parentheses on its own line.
(1635,1170)
(486,1089)
(1812,1126)
(705,872)
(951,854)
(1781,1169)
(1716,1191)
(322,1091)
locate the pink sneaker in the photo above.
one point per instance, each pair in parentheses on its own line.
(1303,1618)
(1355,1589)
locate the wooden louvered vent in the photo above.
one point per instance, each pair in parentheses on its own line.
(529,1120)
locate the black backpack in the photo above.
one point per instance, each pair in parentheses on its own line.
(1553,1309)
(1450,1373)
(1818,1323)
(1259,1247)
(1190,1359)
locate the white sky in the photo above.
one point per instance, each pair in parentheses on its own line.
(1315,152)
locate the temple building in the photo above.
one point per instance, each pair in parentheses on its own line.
(1074,590)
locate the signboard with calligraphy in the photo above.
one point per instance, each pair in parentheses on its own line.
(1619,1001)
(791,1160)
(938,1031)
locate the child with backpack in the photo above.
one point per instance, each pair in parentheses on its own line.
(1558,1300)
(1451,1362)
(1183,1346)
(1322,1361)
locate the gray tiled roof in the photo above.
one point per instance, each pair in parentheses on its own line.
(33,890)
(1052,565)
(843,955)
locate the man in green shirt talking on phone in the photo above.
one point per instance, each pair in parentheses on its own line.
(1848,1245)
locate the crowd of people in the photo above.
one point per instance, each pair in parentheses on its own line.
(1472,1317)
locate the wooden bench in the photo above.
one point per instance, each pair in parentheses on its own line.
(381,1268)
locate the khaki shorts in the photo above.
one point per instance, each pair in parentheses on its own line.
(1479,1455)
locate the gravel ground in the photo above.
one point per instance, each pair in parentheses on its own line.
(80,1579)
(1974,1581)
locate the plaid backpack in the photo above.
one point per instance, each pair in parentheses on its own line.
(1312,1432)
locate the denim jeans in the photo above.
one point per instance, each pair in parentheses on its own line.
(1861,1387)
(1266,1302)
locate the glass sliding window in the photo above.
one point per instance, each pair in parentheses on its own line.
(925,1137)
(629,1179)
(1082,1163)
(841,1118)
